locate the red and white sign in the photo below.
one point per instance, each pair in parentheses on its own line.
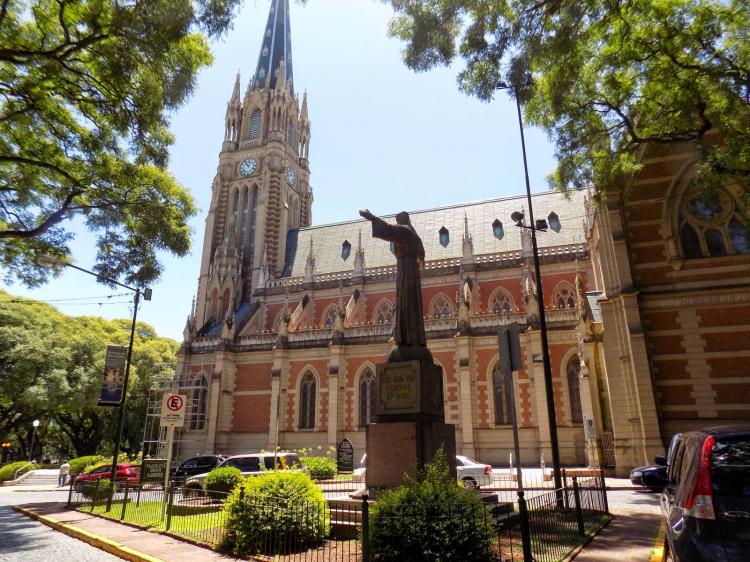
(173,410)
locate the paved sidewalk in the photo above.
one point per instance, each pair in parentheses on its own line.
(121,540)
(632,536)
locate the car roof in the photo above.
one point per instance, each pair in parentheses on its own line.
(722,430)
(262,455)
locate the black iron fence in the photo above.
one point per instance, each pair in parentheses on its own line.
(542,527)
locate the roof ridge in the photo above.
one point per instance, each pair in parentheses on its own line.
(445,207)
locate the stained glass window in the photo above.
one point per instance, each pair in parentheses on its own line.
(307,402)
(367,395)
(712,224)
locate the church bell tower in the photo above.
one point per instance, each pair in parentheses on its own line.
(262,184)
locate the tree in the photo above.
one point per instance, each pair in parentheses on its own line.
(607,77)
(86,90)
(51,367)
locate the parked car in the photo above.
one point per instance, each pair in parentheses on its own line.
(126,473)
(195,465)
(250,464)
(706,502)
(651,476)
(471,473)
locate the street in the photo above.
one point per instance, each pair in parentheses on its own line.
(23,539)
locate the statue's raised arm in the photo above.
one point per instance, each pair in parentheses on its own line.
(409,333)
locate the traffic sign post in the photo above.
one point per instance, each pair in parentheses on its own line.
(172,415)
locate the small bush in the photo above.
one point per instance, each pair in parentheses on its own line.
(281,508)
(431,519)
(222,480)
(80,464)
(321,468)
(9,470)
(97,490)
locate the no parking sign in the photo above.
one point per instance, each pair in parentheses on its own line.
(173,410)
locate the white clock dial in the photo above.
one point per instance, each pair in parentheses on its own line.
(290,177)
(248,167)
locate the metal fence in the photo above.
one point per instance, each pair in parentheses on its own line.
(543,527)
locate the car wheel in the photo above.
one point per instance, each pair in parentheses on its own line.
(469,483)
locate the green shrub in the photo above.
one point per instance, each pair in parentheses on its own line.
(97,490)
(431,519)
(281,508)
(80,464)
(222,480)
(321,468)
(9,470)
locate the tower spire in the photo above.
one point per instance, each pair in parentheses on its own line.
(275,48)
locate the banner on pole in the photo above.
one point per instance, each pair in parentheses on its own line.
(113,378)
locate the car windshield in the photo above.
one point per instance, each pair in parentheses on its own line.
(467,460)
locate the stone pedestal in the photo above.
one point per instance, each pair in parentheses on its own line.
(410,424)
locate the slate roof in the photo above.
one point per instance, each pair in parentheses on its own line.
(276,46)
(327,239)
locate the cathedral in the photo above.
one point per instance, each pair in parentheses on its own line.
(646,296)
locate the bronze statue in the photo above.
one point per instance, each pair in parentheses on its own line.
(409,333)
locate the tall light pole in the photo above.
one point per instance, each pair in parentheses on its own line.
(542,226)
(35,423)
(52,261)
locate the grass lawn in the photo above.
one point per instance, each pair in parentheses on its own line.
(202,523)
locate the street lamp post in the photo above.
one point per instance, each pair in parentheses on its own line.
(52,261)
(542,226)
(35,423)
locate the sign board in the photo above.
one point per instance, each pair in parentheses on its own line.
(173,410)
(345,456)
(153,470)
(113,378)
(398,389)
(589,427)
(509,344)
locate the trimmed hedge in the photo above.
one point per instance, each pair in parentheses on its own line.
(281,508)
(8,471)
(80,464)
(321,468)
(431,519)
(222,480)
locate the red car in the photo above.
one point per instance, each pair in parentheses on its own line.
(126,473)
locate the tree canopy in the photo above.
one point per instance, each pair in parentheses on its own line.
(86,91)
(607,77)
(51,369)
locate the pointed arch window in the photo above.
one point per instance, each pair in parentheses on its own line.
(307,389)
(441,307)
(712,225)
(502,393)
(367,396)
(501,302)
(565,296)
(224,304)
(329,316)
(573,372)
(198,403)
(384,313)
(255,124)
(346,250)
(290,133)
(243,219)
(497,229)
(214,304)
(443,236)
(250,249)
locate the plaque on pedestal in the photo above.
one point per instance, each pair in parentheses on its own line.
(409,388)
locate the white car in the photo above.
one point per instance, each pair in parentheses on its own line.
(470,473)
(251,464)
(473,474)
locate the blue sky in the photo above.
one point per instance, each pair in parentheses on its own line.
(383,137)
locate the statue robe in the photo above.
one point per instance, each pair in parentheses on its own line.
(409,319)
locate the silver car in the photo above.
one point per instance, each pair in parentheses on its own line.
(250,464)
(470,473)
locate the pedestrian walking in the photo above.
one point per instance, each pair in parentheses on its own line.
(63,475)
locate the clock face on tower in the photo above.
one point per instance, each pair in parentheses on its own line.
(290,177)
(248,167)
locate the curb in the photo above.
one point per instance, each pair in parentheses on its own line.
(97,541)
(657,553)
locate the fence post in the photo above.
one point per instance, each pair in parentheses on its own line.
(124,501)
(170,497)
(566,500)
(70,491)
(579,512)
(365,529)
(95,495)
(525,527)
(604,491)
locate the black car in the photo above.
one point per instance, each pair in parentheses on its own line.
(706,502)
(195,465)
